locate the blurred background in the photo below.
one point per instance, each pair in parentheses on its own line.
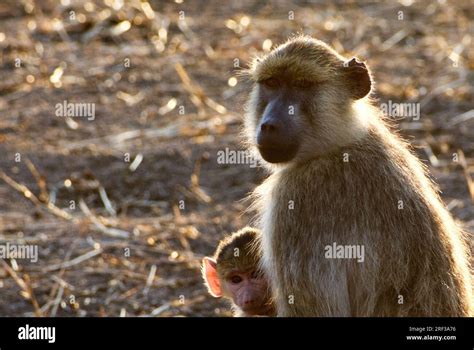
(123,205)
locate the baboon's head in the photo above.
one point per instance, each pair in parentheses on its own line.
(234,272)
(303,103)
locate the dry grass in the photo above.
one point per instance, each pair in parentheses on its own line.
(124,246)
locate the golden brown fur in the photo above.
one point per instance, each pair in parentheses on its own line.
(238,250)
(416,251)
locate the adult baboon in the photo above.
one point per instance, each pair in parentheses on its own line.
(340,176)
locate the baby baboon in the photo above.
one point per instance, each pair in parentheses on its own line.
(234,273)
(341,177)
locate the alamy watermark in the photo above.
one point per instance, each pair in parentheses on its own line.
(229,156)
(405,110)
(340,251)
(19,251)
(75,110)
(37,333)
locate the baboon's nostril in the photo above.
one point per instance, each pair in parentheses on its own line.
(268,126)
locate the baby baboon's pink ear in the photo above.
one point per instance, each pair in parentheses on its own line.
(211,277)
(358,77)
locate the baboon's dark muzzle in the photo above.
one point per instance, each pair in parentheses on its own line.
(276,143)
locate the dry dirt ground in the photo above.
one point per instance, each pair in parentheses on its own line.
(124,206)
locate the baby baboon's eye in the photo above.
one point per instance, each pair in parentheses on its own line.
(270,83)
(236,279)
(302,84)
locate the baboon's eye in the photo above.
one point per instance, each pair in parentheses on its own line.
(236,279)
(302,84)
(270,83)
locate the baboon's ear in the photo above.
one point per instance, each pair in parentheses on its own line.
(209,272)
(358,77)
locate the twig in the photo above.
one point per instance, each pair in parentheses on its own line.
(166,132)
(160,310)
(195,187)
(44,197)
(74,261)
(136,162)
(461,118)
(149,280)
(440,89)
(29,195)
(62,282)
(57,300)
(58,278)
(127,294)
(109,231)
(105,199)
(431,156)
(197,92)
(393,40)
(191,36)
(26,288)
